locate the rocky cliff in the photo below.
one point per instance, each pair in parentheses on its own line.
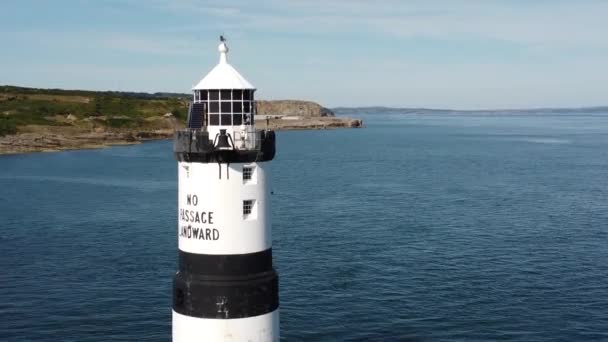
(53,119)
(292,108)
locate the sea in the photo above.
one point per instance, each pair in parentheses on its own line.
(418,227)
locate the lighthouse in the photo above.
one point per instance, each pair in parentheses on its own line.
(226,288)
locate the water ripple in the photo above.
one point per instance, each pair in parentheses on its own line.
(412,229)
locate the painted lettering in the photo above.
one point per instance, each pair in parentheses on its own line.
(196,216)
(192,200)
(208,234)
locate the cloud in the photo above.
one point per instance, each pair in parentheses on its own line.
(580,23)
(108,41)
(456,53)
(538,25)
(144,44)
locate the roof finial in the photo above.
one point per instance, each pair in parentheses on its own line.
(223,49)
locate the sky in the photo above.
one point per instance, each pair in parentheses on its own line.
(460,54)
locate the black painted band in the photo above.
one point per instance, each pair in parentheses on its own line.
(225,298)
(225,265)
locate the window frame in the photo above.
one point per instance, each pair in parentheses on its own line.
(223,102)
(248,208)
(248,172)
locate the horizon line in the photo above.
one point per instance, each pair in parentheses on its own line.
(541,108)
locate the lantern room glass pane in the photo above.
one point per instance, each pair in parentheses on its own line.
(214,95)
(226,120)
(237,107)
(214,120)
(203,95)
(246,107)
(237,94)
(214,107)
(226,107)
(237,119)
(247,95)
(226,94)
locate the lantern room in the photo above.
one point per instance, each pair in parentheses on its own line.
(223,100)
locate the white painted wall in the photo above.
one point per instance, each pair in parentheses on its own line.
(224,198)
(263,328)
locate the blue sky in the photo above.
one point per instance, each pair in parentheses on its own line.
(438,54)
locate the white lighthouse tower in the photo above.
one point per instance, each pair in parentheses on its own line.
(226,288)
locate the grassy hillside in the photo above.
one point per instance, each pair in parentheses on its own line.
(21,107)
(34,119)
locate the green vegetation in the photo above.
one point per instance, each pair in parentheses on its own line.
(7,126)
(52,107)
(124,122)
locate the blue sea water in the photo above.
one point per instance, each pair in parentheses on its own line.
(418,227)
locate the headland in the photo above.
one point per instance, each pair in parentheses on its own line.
(43,120)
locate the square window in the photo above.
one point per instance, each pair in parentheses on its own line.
(214,95)
(247,173)
(226,119)
(214,120)
(226,94)
(214,107)
(226,108)
(247,95)
(203,95)
(237,107)
(237,94)
(237,119)
(247,207)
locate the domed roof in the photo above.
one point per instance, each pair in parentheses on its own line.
(223,76)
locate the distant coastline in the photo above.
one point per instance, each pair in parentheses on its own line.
(406,110)
(41,120)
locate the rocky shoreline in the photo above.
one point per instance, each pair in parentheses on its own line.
(36,142)
(280,123)
(44,120)
(53,139)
